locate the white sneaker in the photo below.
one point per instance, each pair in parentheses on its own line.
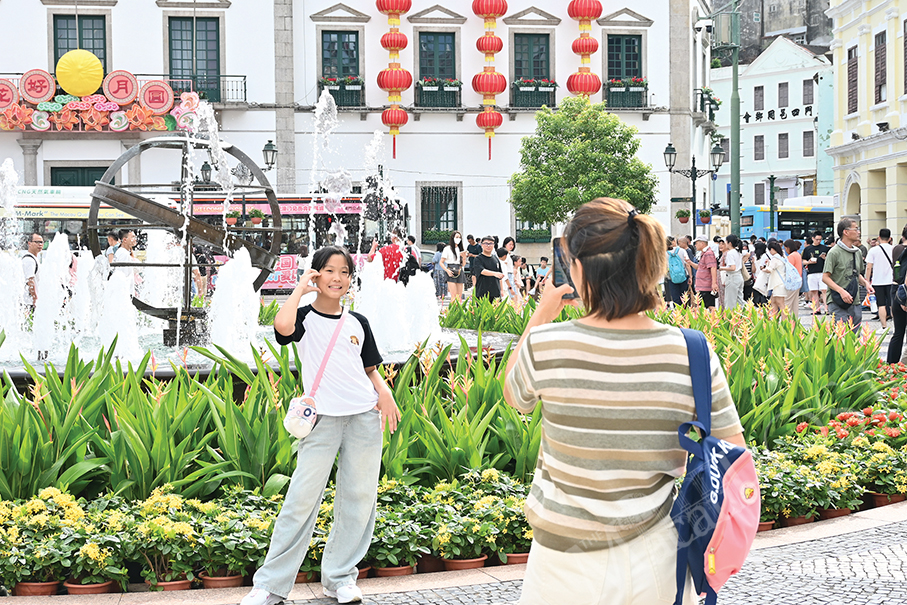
(345,594)
(260,596)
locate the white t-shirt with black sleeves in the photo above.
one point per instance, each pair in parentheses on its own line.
(345,389)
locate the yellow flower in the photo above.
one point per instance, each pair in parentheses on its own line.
(860,441)
(490,475)
(35,506)
(528,534)
(258,524)
(485,502)
(826,467)
(48,493)
(115,520)
(40,520)
(74,513)
(881,446)
(95,552)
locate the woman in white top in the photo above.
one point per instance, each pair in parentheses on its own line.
(452,259)
(733,266)
(775,270)
(760,277)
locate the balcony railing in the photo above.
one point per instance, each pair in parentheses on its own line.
(531,98)
(707,104)
(347,95)
(442,97)
(626,97)
(214,88)
(533,236)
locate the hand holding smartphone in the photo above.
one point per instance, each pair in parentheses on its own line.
(561,271)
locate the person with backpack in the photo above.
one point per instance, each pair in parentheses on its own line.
(33,246)
(614,387)
(776,268)
(678,280)
(880,273)
(843,274)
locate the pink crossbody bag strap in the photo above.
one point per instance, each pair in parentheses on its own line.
(327,354)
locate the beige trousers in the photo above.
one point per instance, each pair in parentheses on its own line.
(639,572)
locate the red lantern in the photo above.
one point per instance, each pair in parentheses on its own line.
(393,9)
(489,120)
(394,41)
(584,83)
(394,80)
(490,10)
(585,46)
(489,44)
(584,10)
(394,117)
(489,84)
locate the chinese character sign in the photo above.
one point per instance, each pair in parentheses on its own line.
(156,96)
(37,86)
(121,87)
(8,94)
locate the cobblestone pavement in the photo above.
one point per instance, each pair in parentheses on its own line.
(867,567)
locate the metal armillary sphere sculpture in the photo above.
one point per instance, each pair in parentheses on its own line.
(489,83)
(584,82)
(394,80)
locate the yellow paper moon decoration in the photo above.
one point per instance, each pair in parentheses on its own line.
(80,73)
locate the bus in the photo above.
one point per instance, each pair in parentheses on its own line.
(795,218)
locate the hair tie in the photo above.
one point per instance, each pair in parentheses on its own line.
(631,214)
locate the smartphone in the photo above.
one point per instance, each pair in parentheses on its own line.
(561,270)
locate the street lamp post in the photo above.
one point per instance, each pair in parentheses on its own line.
(717,158)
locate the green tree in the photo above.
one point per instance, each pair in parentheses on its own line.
(578,153)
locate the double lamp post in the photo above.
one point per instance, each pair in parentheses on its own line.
(717,157)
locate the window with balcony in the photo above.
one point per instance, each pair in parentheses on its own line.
(528,232)
(438,206)
(853,75)
(531,65)
(808,91)
(783,94)
(809,145)
(195,56)
(783,145)
(758,98)
(759,147)
(881,57)
(437,65)
(340,67)
(625,64)
(90,35)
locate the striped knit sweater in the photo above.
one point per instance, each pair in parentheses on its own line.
(612,401)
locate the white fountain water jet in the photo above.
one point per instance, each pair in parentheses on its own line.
(162,286)
(118,318)
(80,303)
(12,279)
(51,320)
(233,317)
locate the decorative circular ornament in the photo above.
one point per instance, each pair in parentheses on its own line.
(156,96)
(9,95)
(80,72)
(40,121)
(118,121)
(121,87)
(37,86)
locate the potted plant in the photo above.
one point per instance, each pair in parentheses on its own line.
(682,215)
(397,544)
(330,83)
(98,559)
(462,539)
(256,215)
(637,84)
(514,535)
(352,83)
(882,470)
(452,84)
(546,85)
(231,217)
(226,544)
(705,217)
(525,84)
(617,85)
(429,84)
(166,538)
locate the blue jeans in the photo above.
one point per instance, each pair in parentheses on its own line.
(355,441)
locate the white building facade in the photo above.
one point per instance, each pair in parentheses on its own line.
(781,131)
(262,65)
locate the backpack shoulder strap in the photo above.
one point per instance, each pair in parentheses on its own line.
(701,375)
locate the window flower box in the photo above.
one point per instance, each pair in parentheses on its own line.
(618,89)
(332,87)
(354,86)
(430,88)
(451,89)
(546,88)
(527,88)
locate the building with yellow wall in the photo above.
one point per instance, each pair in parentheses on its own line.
(869,141)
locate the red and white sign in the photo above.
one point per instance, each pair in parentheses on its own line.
(121,87)
(285,208)
(37,86)
(9,95)
(283,277)
(156,96)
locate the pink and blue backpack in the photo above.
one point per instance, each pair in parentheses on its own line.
(717,511)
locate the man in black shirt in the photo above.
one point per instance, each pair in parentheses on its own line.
(486,269)
(814,261)
(473,249)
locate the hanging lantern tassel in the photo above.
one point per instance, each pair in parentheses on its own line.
(394,117)
(489,120)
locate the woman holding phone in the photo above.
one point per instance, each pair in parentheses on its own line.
(614,386)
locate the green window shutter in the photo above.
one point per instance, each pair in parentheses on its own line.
(91,35)
(436,55)
(624,58)
(194,56)
(339,54)
(439,213)
(77,176)
(531,56)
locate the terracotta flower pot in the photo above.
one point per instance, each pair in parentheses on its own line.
(221,581)
(76,588)
(363,572)
(705,220)
(174,585)
(457,564)
(885,499)
(792,521)
(831,513)
(387,572)
(514,558)
(305,577)
(683,219)
(765,525)
(256,220)
(430,564)
(36,589)
(231,220)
